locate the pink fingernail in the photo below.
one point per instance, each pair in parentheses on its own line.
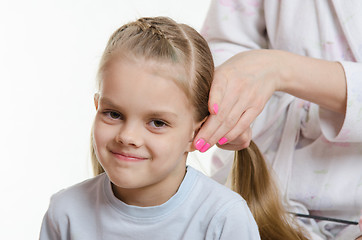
(215,108)
(223,140)
(199,144)
(205,148)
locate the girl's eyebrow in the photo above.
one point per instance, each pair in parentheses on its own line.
(153,114)
(108,102)
(162,114)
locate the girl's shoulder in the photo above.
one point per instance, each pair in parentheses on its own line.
(224,211)
(77,196)
(214,191)
(73,208)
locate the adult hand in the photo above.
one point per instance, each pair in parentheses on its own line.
(240,89)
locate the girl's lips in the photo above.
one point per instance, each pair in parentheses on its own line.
(128,157)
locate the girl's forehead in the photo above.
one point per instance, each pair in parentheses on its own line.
(164,68)
(175,72)
(164,65)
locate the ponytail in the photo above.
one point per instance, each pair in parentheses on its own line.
(252,180)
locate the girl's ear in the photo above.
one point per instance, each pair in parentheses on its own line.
(96,99)
(191,147)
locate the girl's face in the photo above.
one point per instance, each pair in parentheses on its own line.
(143,130)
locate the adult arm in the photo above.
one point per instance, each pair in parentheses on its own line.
(319,81)
(244,83)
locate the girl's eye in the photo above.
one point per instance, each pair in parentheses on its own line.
(158,124)
(113,115)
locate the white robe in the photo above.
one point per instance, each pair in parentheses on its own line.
(315,153)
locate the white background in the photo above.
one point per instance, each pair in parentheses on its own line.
(49,52)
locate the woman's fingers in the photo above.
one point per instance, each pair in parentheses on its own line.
(233,130)
(217,126)
(240,142)
(220,108)
(231,120)
(227,123)
(240,134)
(202,139)
(240,89)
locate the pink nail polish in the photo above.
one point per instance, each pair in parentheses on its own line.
(223,140)
(199,144)
(205,148)
(215,108)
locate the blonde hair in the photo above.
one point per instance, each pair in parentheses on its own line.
(252,180)
(163,40)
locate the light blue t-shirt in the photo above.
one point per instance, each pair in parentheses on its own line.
(201,209)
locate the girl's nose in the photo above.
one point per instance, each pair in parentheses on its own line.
(129,134)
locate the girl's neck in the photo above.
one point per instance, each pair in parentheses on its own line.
(152,195)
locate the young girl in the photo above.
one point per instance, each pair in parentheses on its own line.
(154,78)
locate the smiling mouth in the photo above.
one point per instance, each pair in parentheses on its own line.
(128,157)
